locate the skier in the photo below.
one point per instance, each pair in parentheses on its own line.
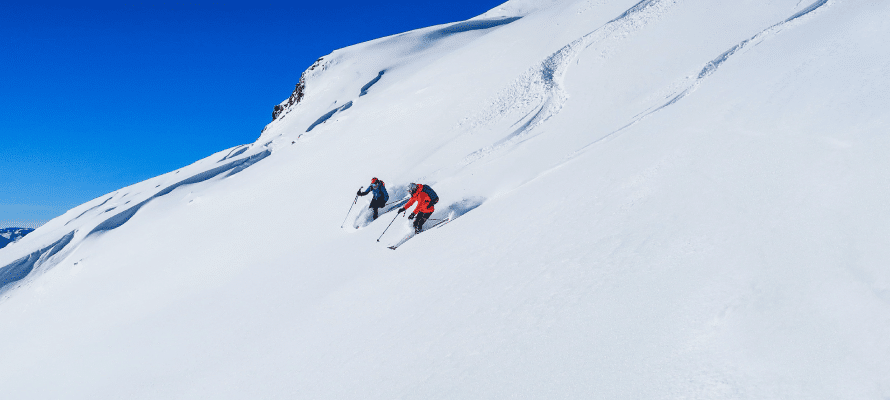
(380,195)
(425,198)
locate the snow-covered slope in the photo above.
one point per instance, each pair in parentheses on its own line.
(654,199)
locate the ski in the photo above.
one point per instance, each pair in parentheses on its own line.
(401,242)
(412,234)
(436,225)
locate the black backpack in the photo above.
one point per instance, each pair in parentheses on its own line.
(434,198)
(383,189)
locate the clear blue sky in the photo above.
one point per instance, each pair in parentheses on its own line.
(97,97)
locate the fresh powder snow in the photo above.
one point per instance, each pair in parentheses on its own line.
(657,199)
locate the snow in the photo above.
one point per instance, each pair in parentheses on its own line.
(655,199)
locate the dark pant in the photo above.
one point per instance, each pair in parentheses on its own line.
(375,204)
(419,220)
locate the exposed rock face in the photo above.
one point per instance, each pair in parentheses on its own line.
(9,235)
(298,93)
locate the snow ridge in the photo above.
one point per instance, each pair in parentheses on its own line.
(324,118)
(20,268)
(235,152)
(230,169)
(23,266)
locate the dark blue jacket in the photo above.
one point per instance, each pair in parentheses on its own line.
(379,191)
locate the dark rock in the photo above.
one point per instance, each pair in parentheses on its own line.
(297,95)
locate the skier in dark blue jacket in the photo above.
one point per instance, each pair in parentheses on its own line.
(380,195)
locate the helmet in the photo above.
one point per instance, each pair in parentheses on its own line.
(373,180)
(412,187)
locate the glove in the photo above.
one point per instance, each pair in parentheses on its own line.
(359,193)
(412,215)
(401,210)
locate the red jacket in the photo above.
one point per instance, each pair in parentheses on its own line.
(423,201)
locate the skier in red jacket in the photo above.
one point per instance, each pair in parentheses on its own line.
(420,194)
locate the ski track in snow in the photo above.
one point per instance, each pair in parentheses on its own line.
(693,83)
(539,91)
(550,74)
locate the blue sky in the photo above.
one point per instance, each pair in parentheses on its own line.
(97,97)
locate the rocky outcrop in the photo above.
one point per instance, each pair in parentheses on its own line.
(297,95)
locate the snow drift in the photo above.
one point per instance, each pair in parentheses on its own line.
(654,199)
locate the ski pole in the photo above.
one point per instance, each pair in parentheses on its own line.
(387,227)
(350,208)
(396,202)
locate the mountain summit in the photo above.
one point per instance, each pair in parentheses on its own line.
(652,199)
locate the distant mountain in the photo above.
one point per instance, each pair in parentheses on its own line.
(9,235)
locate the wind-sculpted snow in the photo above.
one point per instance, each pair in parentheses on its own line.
(362,92)
(90,209)
(367,87)
(429,40)
(237,151)
(641,6)
(538,94)
(23,266)
(20,268)
(229,169)
(324,118)
(812,7)
(466,26)
(711,67)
